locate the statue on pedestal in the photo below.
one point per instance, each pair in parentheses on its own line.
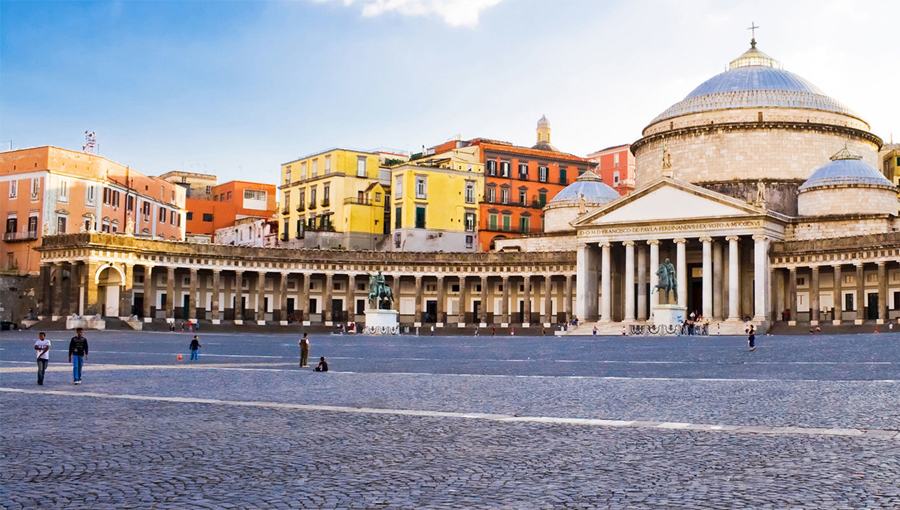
(129,227)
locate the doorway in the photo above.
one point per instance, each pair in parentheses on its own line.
(138,308)
(337,310)
(476,311)
(430,311)
(872,312)
(186,307)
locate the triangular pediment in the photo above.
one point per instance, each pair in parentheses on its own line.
(667,200)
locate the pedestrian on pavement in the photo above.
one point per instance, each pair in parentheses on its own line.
(42,346)
(432,330)
(476,330)
(493,331)
(595,330)
(304,350)
(322,366)
(751,338)
(195,349)
(78,351)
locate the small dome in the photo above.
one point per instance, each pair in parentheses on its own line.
(543,122)
(595,191)
(846,169)
(754,80)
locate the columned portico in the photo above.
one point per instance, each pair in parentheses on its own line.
(654,263)
(681,271)
(707,277)
(734,278)
(606,283)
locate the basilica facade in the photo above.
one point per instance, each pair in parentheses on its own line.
(762,192)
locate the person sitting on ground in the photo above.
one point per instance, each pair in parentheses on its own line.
(322,366)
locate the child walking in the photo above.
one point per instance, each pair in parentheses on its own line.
(195,349)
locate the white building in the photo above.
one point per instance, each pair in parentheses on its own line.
(258,232)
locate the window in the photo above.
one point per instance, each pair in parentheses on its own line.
(377,197)
(11,224)
(523,197)
(398,187)
(299,229)
(190,216)
(470,243)
(115,197)
(63,191)
(562,176)
(848,302)
(303,170)
(35,187)
(470,222)
(360,197)
(255,194)
(492,194)
(326,192)
(301,200)
(162,215)
(616,177)
(872,277)
(492,221)
(616,159)
(360,166)
(61,225)
(287,174)
(32,224)
(315,166)
(106,196)
(146,208)
(327,165)
(470,192)
(523,171)
(492,168)
(228,196)
(421,187)
(104,225)
(207,217)
(312,197)
(524,224)
(398,217)
(542,198)
(420,216)
(287,202)
(13,188)
(542,174)
(504,195)
(507,221)
(504,169)
(115,226)
(174,218)
(397,239)
(90,197)
(129,203)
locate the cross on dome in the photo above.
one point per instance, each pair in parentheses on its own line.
(752,28)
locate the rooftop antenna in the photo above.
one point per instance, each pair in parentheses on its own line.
(90,143)
(752,28)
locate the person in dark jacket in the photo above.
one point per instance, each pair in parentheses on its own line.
(195,349)
(322,366)
(78,351)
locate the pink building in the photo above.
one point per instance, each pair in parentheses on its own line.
(615,166)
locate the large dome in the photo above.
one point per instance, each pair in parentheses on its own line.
(754,80)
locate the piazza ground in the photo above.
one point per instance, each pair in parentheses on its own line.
(453,422)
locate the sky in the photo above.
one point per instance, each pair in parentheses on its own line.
(236,88)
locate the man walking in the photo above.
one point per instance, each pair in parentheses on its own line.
(304,350)
(42,346)
(78,351)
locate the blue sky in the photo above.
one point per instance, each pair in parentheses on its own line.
(237,88)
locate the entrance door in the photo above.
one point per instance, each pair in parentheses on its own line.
(522,313)
(186,307)
(872,312)
(337,310)
(112,301)
(138,308)
(476,311)
(290,306)
(431,311)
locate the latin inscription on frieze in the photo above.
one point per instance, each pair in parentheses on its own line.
(659,229)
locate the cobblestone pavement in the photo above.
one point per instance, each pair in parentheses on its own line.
(244,428)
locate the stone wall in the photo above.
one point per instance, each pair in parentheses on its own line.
(549,243)
(746,152)
(781,195)
(18,295)
(828,200)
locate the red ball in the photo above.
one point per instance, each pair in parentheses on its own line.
(179,357)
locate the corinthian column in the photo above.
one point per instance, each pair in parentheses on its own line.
(629,281)
(707,277)
(606,282)
(681,271)
(734,295)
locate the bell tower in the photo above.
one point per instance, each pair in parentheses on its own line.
(543,131)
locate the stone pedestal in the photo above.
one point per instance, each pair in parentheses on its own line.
(91,322)
(382,322)
(668,315)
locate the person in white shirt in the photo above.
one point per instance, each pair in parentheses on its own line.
(42,346)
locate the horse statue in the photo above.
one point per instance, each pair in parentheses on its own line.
(380,295)
(667,281)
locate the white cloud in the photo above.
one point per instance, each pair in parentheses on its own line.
(456,13)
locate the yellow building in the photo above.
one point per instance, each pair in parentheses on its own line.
(335,199)
(890,162)
(435,201)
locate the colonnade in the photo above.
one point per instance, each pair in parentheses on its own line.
(638,306)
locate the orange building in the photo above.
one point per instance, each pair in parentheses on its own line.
(48,190)
(615,166)
(519,181)
(228,203)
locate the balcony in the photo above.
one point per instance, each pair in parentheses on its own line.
(19,237)
(285,211)
(357,201)
(326,203)
(312,204)
(512,229)
(301,207)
